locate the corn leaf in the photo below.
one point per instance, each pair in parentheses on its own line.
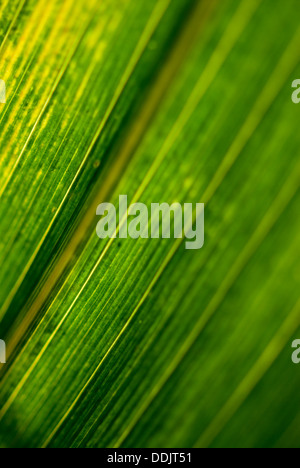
(141,342)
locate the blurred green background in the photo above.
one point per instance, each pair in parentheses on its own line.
(141,343)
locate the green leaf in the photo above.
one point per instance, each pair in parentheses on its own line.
(140,342)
